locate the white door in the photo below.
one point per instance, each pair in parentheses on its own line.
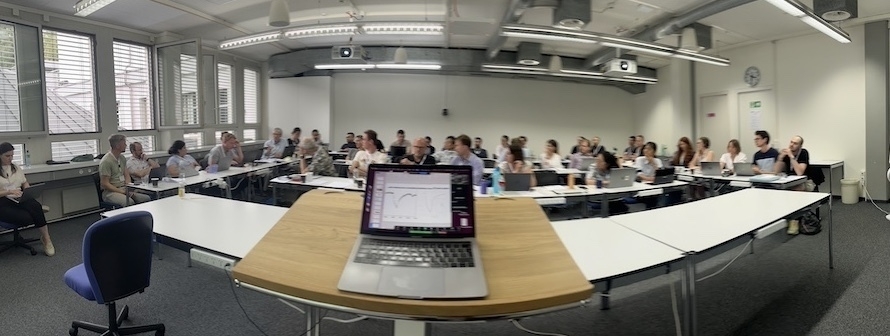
(757,111)
(713,121)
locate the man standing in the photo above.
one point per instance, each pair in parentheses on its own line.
(138,165)
(418,155)
(400,140)
(113,177)
(765,158)
(465,157)
(447,153)
(350,142)
(478,150)
(274,148)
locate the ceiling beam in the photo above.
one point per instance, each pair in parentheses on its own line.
(512,15)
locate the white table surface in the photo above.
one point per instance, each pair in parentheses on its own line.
(700,225)
(212,223)
(203,176)
(782,180)
(827,163)
(332,182)
(603,249)
(553,191)
(559,171)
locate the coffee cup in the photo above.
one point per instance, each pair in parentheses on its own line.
(154,182)
(360,183)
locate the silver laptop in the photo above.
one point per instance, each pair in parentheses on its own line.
(586,162)
(31,192)
(743,168)
(417,236)
(224,163)
(711,169)
(622,177)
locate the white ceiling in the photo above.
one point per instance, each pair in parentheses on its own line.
(470,22)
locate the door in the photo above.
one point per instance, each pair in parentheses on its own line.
(713,120)
(757,111)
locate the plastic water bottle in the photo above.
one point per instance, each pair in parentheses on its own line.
(181,189)
(27,158)
(496,181)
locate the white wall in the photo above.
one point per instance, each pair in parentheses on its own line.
(479,106)
(303,102)
(663,113)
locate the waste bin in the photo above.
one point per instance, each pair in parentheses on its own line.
(850,191)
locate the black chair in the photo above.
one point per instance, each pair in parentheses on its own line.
(102,203)
(489,163)
(116,264)
(17,239)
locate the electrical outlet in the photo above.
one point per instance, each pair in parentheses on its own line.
(862,177)
(211,259)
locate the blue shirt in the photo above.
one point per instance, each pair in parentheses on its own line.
(473,161)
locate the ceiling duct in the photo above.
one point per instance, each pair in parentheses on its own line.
(528,53)
(836,10)
(572,14)
(512,15)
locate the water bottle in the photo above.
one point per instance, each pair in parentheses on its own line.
(496,181)
(181,189)
(27,158)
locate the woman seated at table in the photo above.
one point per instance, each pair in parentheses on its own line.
(550,157)
(179,158)
(733,155)
(647,165)
(515,163)
(599,176)
(703,152)
(25,212)
(370,154)
(684,154)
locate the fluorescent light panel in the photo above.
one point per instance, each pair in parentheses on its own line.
(344,66)
(794,9)
(250,40)
(404,28)
(366,66)
(827,29)
(409,66)
(87,7)
(320,31)
(800,11)
(497,68)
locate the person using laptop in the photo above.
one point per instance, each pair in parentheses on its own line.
(465,157)
(274,148)
(180,159)
(647,165)
(550,158)
(400,140)
(113,175)
(350,142)
(501,150)
(703,152)
(322,164)
(765,157)
(515,163)
(478,150)
(228,148)
(575,160)
(294,139)
(27,211)
(370,154)
(684,154)
(139,165)
(733,155)
(418,155)
(595,147)
(600,175)
(577,147)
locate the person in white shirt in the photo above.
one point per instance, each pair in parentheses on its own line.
(359,166)
(647,164)
(515,163)
(25,212)
(703,152)
(138,165)
(550,158)
(274,148)
(447,153)
(501,150)
(526,152)
(733,155)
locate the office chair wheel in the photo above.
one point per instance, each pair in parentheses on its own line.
(33,252)
(72,331)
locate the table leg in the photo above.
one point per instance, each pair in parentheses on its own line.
(689,314)
(228,187)
(410,328)
(604,297)
(830,225)
(604,206)
(753,236)
(313,321)
(585,212)
(274,194)
(830,181)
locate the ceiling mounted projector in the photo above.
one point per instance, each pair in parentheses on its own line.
(619,68)
(348,52)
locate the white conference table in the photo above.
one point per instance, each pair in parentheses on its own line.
(559,171)
(220,225)
(329,182)
(169,184)
(830,165)
(783,182)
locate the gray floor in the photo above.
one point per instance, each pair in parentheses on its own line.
(785,288)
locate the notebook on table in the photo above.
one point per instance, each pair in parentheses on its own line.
(417,236)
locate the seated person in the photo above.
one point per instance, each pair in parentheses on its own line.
(274,148)
(465,157)
(180,158)
(599,176)
(359,146)
(322,164)
(595,147)
(630,153)
(400,140)
(646,166)
(500,152)
(138,165)
(370,154)
(514,163)
(447,153)
(24,213)
(294,139)
(418,155)
(684,154)
(795,160)
(113,175)
(478,150)
(229,147)
(733,155)
(703,152)
(429,146)
(575,160)
(350,142)
(550,158)
(765,157)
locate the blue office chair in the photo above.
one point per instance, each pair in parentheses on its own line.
(17,239)
(116,264)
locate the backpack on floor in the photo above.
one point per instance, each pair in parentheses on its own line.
(810,224)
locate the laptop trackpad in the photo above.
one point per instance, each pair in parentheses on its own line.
(412,282)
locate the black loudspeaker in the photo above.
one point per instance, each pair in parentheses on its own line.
(445,112)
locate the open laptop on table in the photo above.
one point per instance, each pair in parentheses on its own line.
(224,163)
(517,183)
(711,169)
(31,192)
(663,176)
(417,236)
(586,162)
(743,168)
(622,177)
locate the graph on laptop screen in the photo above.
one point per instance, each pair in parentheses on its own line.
(419,202)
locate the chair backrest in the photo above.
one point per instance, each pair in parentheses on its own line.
(489,163)
(117,255)
(546,177)
(98,181)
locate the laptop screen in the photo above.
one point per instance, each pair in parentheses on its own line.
(419,201)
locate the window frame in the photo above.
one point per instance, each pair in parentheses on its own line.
(199,72)
(42,72)
(230,95)
(95,81)
(258,99)
(152,83)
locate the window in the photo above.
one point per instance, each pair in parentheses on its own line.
(21,92)
(193,140)
(249,135)
(65,150)
(132,87)
(250,96)
(177,80)
(224,93)
(18,154)
(70,87)
(147,141)
(218,135)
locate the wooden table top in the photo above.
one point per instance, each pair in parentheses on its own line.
(526,265)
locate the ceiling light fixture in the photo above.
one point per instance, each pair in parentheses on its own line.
(409,66)
(413,28)
(318,31)
(800,11)
(387,66)
(557,34)
(279,14)
(87,7)
(538,71)
(344,66)
(250,40)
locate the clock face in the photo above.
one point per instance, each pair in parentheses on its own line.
(752,76)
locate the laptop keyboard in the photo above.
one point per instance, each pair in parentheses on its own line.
(415,254)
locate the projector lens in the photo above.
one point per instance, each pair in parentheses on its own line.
(345,52)
(624,65)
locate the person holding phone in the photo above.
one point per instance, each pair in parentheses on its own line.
(25,212)
(139,165)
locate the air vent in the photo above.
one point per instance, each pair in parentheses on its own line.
(528,53)
(836,10)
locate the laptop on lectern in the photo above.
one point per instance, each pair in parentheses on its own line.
(417,236)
